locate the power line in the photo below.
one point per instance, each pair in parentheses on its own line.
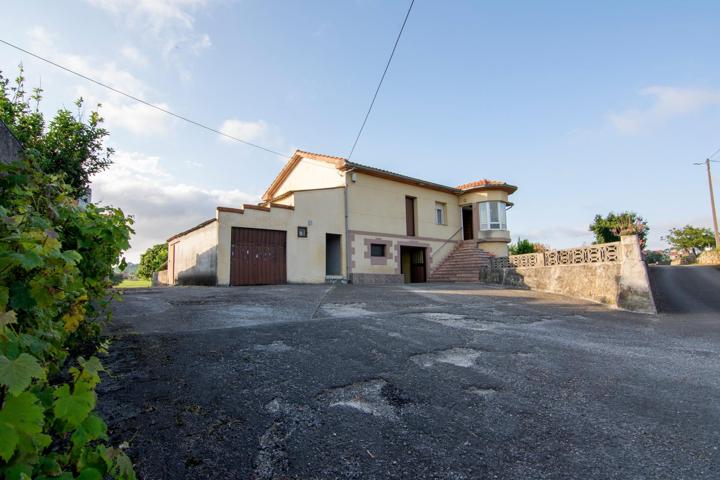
(168,112)
(714,153)
(377,90)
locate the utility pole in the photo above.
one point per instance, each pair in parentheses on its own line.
(712,205)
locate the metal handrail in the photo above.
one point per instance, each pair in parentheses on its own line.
(446,241)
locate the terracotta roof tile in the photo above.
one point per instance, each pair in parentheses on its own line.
(479,183)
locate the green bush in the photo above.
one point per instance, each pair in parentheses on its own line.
(609,228)
(152,260)
(56,263)
(55,267)
(522,246)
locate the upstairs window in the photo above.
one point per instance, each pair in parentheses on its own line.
(377,249)
(440,213)
(492,216)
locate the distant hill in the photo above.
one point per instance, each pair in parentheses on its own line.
(130,270)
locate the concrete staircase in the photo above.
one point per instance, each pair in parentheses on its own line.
(462,265)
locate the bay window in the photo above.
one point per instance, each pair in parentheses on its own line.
(492,216)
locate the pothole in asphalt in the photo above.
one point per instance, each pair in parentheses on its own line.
(277,346)
(482,392)
(341,310)
(460,357)
(456,321)
(374,397)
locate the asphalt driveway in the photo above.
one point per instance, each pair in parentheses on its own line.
(425,381)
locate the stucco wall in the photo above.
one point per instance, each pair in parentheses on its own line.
(623,283)
(192,258)
(312,174)
(483,196)
(321,211)
(378,205)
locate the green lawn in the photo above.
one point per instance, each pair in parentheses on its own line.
(133,284)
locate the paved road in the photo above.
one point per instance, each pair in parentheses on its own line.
(429,381)
(686,289)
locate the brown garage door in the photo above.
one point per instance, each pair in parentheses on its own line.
(257,257)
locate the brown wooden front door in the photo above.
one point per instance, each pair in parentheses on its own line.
(410,216)
(467,219)
(257,257)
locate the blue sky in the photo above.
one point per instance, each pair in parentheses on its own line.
(586,106)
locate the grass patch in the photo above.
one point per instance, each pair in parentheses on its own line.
(133,284)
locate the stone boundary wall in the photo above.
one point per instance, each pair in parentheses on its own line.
(160,278)
(610,273)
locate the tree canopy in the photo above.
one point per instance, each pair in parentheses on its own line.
(70,144)
(690,239)
(610,227)
(522,246)
(153,260)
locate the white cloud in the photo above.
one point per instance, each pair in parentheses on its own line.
(118,111)
(249,131)
(666,103)
(133,55)
(256,131)
(169,24)
(140,185)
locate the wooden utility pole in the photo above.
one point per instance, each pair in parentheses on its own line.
(712,205)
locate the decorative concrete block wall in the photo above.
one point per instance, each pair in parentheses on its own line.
(611,273)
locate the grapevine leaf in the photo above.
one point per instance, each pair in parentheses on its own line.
(90,474)
(74,407)
(17,374)
(28,260)
(92,428)
(8,441)
(23,413)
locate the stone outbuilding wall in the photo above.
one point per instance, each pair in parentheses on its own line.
(611,273)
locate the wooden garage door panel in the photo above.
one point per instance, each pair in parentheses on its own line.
(257,256)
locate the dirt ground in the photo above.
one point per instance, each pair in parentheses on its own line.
(423,381)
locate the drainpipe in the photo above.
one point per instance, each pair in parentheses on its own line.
(348,257)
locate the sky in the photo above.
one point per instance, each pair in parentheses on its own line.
(588,107)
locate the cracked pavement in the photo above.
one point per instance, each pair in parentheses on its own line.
(439,381)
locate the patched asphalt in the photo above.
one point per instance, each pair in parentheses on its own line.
(424,381)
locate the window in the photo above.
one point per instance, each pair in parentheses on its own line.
(302,232)
(492,216)
(440,213)
(377,250)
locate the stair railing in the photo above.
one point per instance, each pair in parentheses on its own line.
(446,242)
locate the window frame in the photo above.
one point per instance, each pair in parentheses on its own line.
(486,214)
(302,231)
(441,208)
(380,245)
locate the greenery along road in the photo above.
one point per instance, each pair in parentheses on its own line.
(56,259)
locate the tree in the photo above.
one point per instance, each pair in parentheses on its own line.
(522,246)
(656,256)
(153,260)
(69,145)
(609,228)
(690,238)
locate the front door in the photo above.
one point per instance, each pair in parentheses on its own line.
(467,219)
(412,264)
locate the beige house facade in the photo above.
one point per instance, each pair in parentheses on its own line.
(324,218)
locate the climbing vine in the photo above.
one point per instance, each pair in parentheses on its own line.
(56,260)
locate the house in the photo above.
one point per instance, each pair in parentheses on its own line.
(325,218)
